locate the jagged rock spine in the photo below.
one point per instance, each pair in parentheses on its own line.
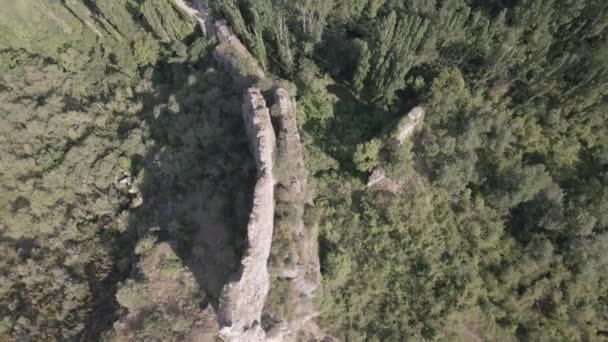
(242,300)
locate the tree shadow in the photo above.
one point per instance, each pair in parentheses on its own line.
(199,177)
(353,122)
(194,182)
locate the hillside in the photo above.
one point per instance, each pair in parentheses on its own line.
(335,170)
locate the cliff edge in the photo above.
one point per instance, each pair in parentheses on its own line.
(243,298)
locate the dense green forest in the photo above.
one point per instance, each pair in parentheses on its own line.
(118,132)
(500,230)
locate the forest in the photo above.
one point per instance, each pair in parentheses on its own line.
(120,136)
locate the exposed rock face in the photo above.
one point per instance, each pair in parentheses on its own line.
(300,267)
(309,274)
(379,180)
(234,54)
(230,52)
(200,13)
(242,300)
(407,125)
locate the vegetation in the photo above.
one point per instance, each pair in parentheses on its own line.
(119,134)
(499,229)
(115,123)
(133,295)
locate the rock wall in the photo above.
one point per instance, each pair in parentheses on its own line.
(200,13)
(301,269)
(309,273)
(242,299)
(406,125)
(379,180)
(230,52)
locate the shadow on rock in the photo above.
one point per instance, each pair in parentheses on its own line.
(191,190)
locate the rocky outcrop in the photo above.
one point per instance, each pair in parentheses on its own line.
(379,180)
(198,12)
(233,54)
(242,300)
(296,263)
(243,297)
(407,124)
(230,51)
(308,276)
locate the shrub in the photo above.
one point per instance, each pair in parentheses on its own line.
(366,155)
(145,244)
(133,295)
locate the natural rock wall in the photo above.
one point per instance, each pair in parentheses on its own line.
(407,124)
(233,54)
(242,300)
(200,13)
(297,265)
(309,273)
(230,51)
(379,180)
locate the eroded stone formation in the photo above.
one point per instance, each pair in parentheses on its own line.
(309,274)
(407,124)
(299,267)
(242,300)
(379,180)
(243,297)
(232,53)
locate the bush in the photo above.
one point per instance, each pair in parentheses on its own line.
(133,295)
(366,155)
(145,244)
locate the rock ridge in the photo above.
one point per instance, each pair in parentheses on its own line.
(242,299)
(298,265)
(379,180)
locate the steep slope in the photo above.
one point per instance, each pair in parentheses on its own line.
(244,297)
(295,270)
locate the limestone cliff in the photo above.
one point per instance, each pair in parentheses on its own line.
(379,180)
(294,260)
(230,51)
(243,298)
(407,125)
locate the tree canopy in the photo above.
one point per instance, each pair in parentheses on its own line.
(124,167)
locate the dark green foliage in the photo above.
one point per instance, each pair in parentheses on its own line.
(505,181)
(412,263)
(105,105)
(498,232)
